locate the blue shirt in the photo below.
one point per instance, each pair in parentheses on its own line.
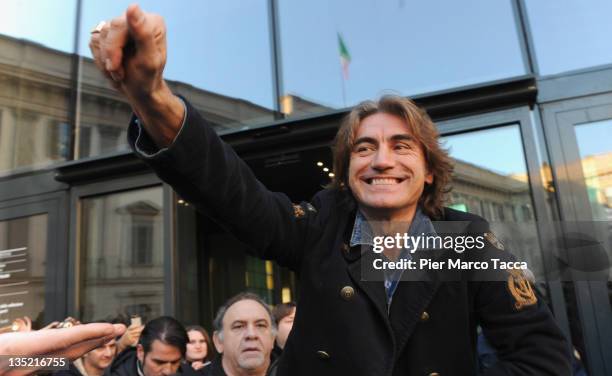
(362,235)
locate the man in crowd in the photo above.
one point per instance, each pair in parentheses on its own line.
(390,172)
(284,314)
(244,337)
(159,352)
(94,363)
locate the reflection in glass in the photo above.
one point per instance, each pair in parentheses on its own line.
(121,255)
(491,180)
(35,82)
(218,58)
(595,151)
(596,157)
(560,47)
(23,256)
(362,49)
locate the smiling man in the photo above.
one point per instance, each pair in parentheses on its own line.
(391,173)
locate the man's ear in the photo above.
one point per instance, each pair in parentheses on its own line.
(429,178)
(140,353)
(218,341)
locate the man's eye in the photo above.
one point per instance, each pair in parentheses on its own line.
(363,149)
(403,147)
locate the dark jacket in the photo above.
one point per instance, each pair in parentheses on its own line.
(71,371)
(124,364)
(430,326)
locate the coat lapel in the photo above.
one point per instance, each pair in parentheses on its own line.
(409,301)
(359,262)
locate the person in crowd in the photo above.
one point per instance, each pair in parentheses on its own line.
(92,363)
(391,176)
(200,351)
(71,343)
(160,350)
(244,337)
(283,314)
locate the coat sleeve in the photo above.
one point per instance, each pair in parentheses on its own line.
(516,321)
(206,172)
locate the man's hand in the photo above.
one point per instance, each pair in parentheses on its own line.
(130,50)
(71,343)
(130,337)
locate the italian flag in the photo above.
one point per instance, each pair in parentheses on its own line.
(345,57)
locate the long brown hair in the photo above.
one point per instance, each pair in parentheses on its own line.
(210,348)
(422,128)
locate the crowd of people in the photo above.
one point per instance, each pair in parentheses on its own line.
(248,337)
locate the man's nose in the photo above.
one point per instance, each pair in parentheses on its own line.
(251,331)
(167,369)
(383,159)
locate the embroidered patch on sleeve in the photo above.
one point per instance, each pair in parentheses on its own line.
(520,289)
(491,238)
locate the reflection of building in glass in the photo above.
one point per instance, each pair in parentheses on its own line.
(122,255)
(492,195)
(597,171)
(505,201)
(35,92)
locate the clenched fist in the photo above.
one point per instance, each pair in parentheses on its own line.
(130,50)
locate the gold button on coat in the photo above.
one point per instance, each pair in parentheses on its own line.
(323,354)
(425,317)
(347,293)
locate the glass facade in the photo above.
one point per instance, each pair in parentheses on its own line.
(358,50)
(121,255)
(570,34)
(55,106)
(491,180)
(595,152)
(35,83)
(223,67)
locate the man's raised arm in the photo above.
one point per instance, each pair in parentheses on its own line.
(131,51)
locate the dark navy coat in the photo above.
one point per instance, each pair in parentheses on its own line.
(429,329)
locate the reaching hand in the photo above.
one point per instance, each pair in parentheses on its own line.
(130,337)
(71,343)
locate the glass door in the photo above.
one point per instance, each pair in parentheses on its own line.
(32,267)
(579,134)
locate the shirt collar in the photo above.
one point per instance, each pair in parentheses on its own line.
(362,232)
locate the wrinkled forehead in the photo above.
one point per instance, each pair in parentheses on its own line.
(246,310)
(382,126)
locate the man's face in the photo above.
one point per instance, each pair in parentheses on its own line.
(196,347)
(387,170)
(247,338)
(162,360)
(102,356)
(284,328)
